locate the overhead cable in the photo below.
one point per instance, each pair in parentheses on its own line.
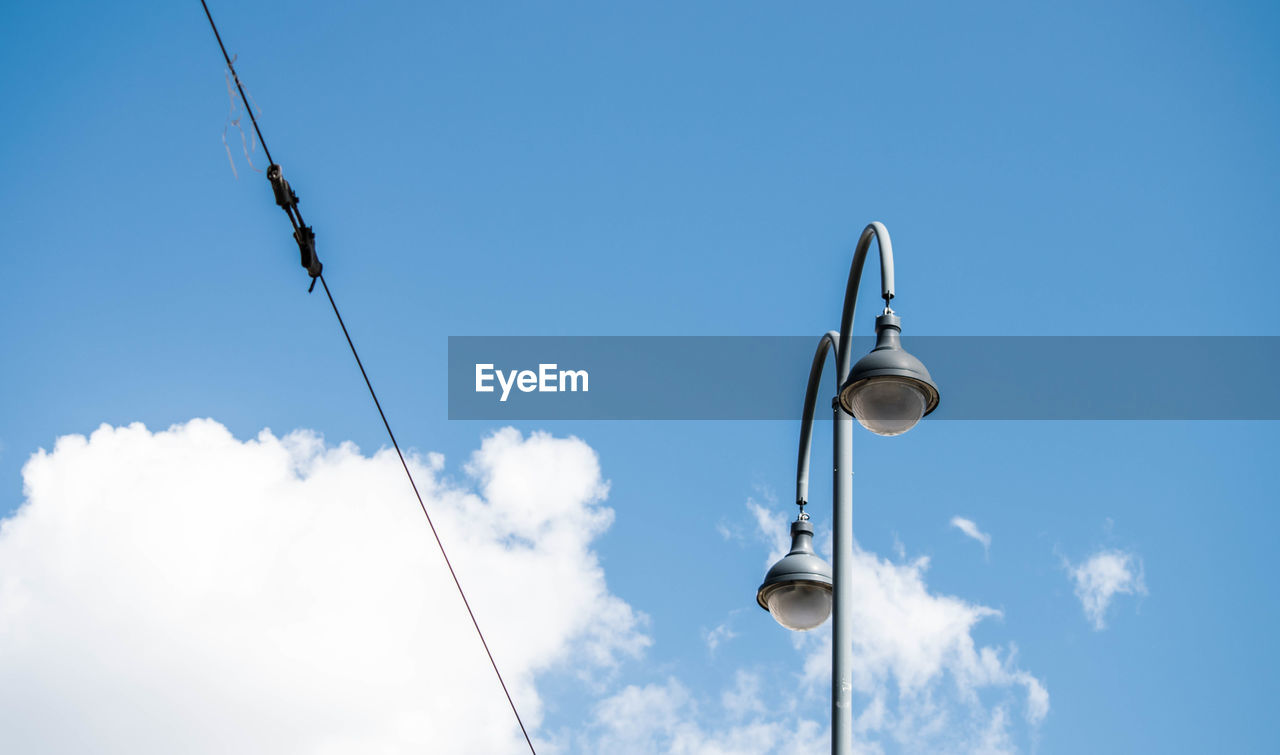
(306,240)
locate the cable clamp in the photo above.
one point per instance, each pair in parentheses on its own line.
(302,233)
(306,239)
(283,191)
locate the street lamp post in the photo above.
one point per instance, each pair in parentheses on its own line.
(888,391)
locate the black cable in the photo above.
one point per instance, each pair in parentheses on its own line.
(447,563)
(296,224)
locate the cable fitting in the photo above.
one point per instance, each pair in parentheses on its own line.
(283,191)
(302,233)
(306,239)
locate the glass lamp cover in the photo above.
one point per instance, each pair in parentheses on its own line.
(888,405)
(800,606)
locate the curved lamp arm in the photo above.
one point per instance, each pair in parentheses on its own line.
(828,341)
(840,340)
(881,235)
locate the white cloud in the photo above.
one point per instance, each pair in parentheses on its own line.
(968,527)
(183,591)
(666,719)
(921,682)
(743,699)
(1101,577)
(721,634)
(918,670)
(186,591)
(899,548)
(775,527)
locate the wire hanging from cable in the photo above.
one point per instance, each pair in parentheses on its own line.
(306,242)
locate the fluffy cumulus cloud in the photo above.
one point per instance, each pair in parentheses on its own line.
(185,591)
(1102,576)
(921,682)
(970,528)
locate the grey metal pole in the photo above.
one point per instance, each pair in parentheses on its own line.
(842,482)
(842,578)
(842,494)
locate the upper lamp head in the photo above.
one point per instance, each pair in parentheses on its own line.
(797,589)
(888,390)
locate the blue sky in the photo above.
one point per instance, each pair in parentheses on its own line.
(667,169)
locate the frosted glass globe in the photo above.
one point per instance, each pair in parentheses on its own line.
(800,606)
(888,405)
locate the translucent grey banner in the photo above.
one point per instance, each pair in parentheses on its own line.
(764,377)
